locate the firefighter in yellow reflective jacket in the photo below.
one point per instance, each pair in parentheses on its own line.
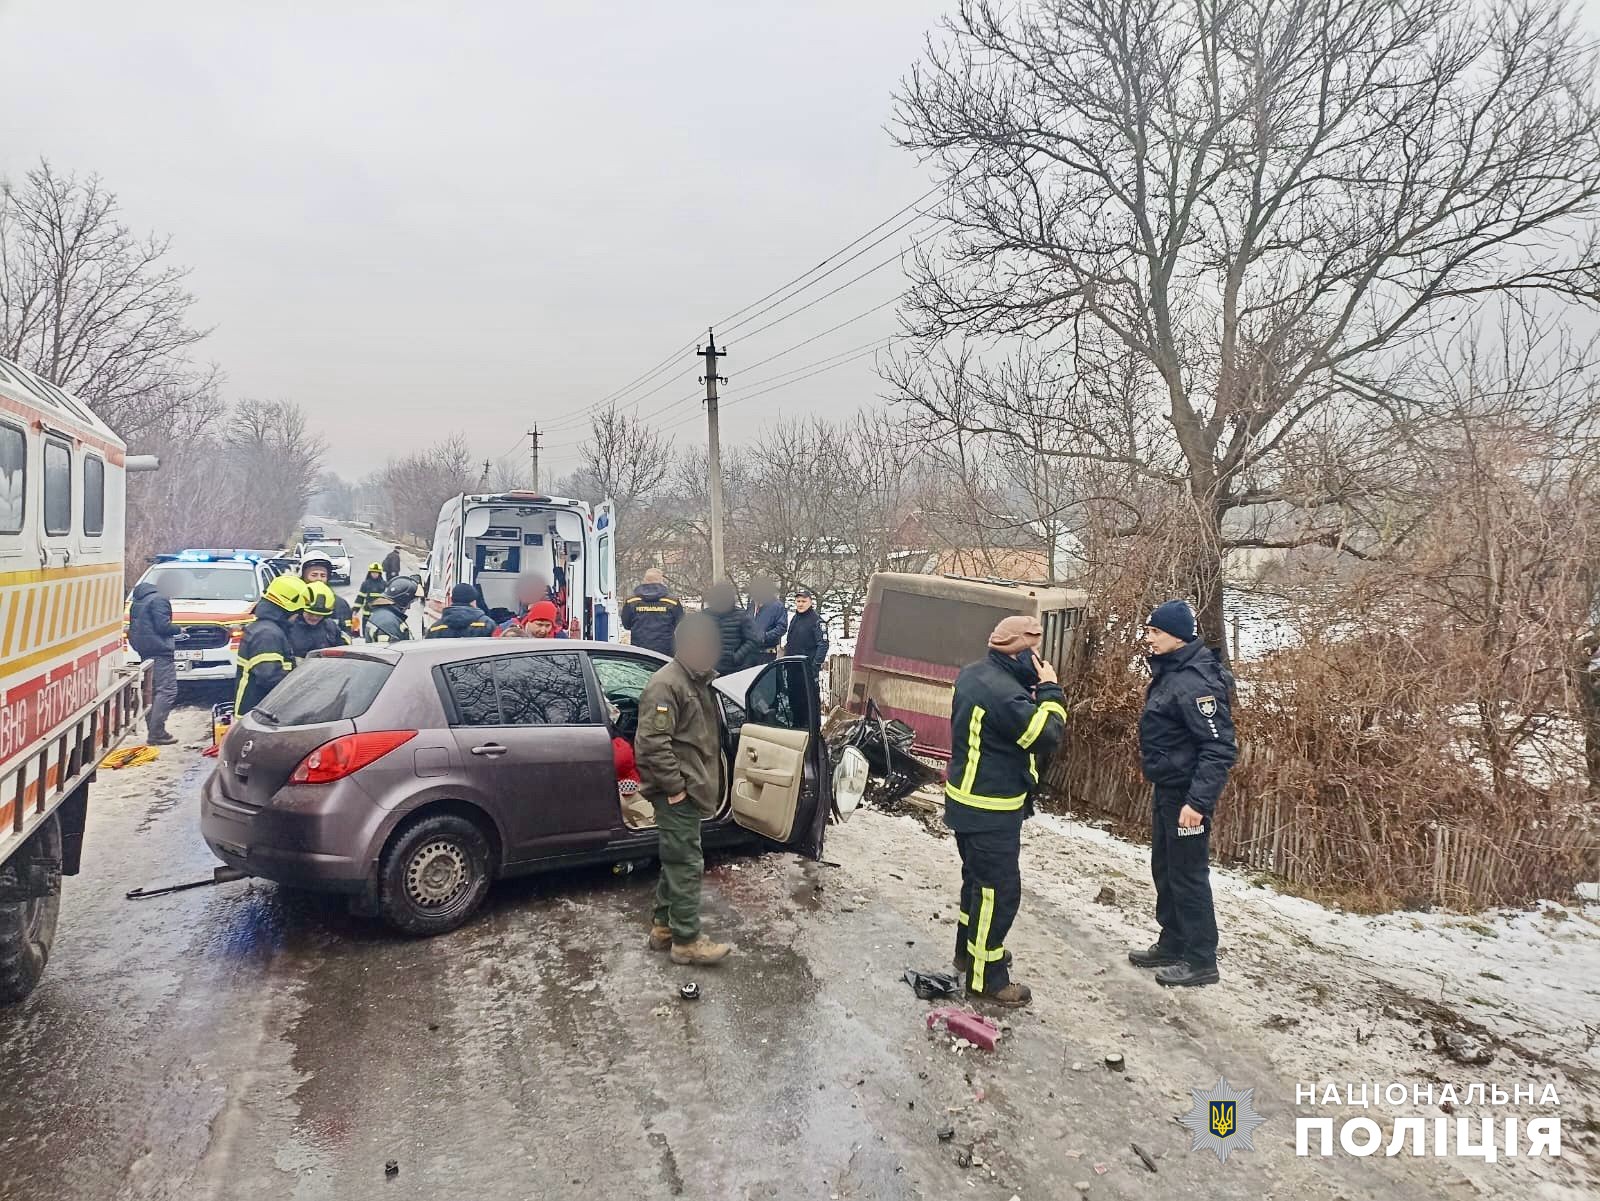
(265,654)
(1006,720)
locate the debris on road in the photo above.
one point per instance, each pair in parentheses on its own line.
(946,1133)
(1106,896)
(1144,1155)
(1115,1062)
(221,875)
(689,991)
(965,1026)
(928,985)
(392,1168)
(1461,1047)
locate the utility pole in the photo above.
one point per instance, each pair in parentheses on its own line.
(483,481)
(533,437)
(714,451)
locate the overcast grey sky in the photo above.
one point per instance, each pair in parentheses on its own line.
(414,220)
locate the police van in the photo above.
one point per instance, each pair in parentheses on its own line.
(490,540)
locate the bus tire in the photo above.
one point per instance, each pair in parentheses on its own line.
(28,928)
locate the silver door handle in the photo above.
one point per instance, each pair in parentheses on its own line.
(489,748)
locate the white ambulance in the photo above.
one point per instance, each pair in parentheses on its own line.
(490,540)
(66,696)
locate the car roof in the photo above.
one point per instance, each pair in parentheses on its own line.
(432,649)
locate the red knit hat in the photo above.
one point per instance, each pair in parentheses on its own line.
(543,611)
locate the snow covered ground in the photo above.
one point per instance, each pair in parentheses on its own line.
(1309,994)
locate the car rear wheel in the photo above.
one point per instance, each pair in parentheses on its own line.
(434,875)
(28,927)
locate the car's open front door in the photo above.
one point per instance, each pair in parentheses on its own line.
(781,780)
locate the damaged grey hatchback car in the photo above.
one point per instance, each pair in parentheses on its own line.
(411,776)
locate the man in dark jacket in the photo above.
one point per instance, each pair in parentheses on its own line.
(769,618)
(1006,719)
(734,628)
(317,568)
(390,619)
(391,564)
(315,627)
(678,750)
(265,654)
(1186,747)
(652,613)
(151,634)
(808,636)
(462,618)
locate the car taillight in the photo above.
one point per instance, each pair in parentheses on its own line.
(337,759)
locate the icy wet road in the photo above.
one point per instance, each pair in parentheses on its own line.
(245,1041)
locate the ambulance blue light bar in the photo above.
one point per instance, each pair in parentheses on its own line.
(217,556)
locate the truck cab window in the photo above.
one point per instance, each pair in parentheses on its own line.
(94,496)
(13,479)
(57,487)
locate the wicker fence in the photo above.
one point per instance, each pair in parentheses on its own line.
(1330,839)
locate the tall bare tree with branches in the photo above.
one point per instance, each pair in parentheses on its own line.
(1217,227)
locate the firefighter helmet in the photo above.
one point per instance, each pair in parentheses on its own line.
(289,593)
(321,601)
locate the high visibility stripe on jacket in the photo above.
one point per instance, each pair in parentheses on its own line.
(1003,722)
(246,666)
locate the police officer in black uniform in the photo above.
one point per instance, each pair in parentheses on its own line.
(1007,719)
(1186,746)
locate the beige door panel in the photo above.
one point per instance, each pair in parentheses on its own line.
(766,779)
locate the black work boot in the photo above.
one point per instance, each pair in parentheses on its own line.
(1187,975)
(1155,955)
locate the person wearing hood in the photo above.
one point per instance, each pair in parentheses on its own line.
(769,617)
(736,631)
(652,613)
(266,654)
(1007,717)
(316,627)
(462,617)
(151,635)
(1186,749)
(808,636)
(389,620)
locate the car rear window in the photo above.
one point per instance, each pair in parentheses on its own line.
(326,688)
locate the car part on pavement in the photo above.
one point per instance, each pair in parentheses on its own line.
(221,875)
(689,991)
(960,1023)
(928,985)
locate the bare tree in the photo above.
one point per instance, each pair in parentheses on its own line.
(412,489)
(1214,225)
(94,308)
(626,461)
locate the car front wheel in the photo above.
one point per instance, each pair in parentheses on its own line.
(434,875)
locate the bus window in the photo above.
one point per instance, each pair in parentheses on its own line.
(947,631)
(13,479)
(94,496)
(57,487)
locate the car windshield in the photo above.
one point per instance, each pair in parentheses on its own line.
(333,549)
(205,581)
(325,688)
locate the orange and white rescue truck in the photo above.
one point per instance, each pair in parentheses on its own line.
(66,696)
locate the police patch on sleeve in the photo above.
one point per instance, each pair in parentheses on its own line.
(663,718)
(1207,705)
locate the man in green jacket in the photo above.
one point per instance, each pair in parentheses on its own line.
(678,750)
